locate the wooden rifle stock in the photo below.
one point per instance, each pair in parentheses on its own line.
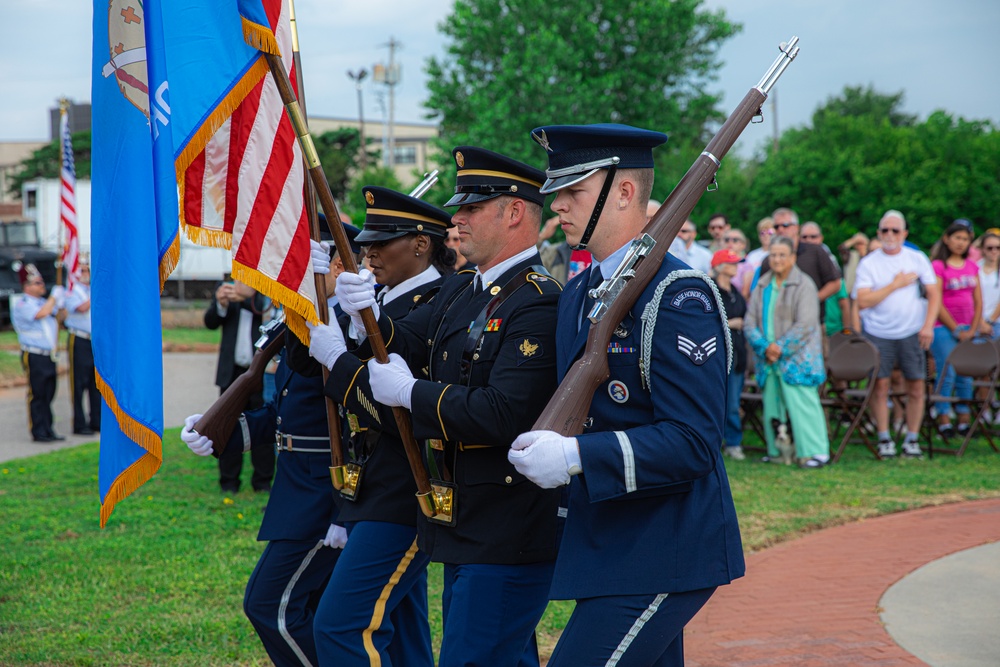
(567,410)
(219,420)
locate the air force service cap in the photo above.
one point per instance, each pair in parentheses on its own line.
(577,151)
(483,175)
(391,214)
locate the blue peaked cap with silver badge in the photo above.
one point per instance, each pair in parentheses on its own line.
(577,151)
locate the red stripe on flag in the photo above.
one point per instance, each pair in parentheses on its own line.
(240,126)
(194,191)
(294,266)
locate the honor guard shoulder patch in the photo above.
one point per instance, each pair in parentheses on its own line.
(693,293)
(698,354)
(529,348)
(494,325)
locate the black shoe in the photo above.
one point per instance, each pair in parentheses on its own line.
(963,429)
(43,438)
(946,431)
(83,431)
(54,437)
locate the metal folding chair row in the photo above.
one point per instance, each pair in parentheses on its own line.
(980,361)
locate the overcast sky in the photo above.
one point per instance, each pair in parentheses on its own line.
(942,55)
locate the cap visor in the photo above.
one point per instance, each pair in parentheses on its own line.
(371,236)
(553,184)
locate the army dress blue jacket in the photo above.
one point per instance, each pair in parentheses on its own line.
(502,518)
(652,511)
(301,504)
(387,491)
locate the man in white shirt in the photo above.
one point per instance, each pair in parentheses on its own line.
(685,249)
(900,322)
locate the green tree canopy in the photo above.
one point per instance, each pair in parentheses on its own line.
(512,65)
(863,156)
(46,162)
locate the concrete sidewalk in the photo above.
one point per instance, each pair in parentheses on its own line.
(189,387)
(821,599)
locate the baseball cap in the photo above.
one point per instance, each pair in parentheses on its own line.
(724,256)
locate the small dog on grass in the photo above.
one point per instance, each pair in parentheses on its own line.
(783,441)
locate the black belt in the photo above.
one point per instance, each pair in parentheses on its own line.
(284,442)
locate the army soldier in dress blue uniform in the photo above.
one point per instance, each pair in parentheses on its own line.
(81,355)
(651,529)
(37,332)
(300,525)
(374,610)
(488,343)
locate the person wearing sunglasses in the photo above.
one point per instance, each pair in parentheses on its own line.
(718,227)
(989,283)
(811,259)
(899,322)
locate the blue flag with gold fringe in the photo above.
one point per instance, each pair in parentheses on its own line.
(151,108)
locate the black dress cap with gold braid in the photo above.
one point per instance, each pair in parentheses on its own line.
(483,175)
(391,214)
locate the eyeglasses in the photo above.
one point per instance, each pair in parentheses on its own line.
(766,232)
(786,225)
(989,248)
(716,226)
(731,239)
(809,237)
(686,231)
(889,230)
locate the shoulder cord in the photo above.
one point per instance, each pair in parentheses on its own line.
(651,310)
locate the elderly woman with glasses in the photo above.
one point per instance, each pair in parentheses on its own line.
(782,328)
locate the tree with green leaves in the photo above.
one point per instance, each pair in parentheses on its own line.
(46,162)
(512,65)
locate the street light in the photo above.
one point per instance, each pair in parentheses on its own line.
(357,78)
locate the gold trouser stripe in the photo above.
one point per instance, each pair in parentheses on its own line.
(70,344)
(444,431)
(379,611)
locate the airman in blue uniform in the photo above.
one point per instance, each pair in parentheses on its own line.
(300,525)
(488,344)
(374,611)
(651,529)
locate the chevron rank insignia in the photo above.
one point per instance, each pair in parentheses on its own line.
(698,354)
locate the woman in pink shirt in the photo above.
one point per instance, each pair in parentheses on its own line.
(958,319)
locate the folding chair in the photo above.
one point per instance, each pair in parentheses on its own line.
(752,407)
(980,361)
(851,369)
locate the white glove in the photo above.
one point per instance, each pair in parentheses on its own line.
(336,537)
(392,382)
(326,343)
(546,458)
(58,295)
(355,292)
(199,444)
(319,252)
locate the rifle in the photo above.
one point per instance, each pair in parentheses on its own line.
(219,420)
(567,410)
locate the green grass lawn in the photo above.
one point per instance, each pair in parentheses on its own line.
(163,583)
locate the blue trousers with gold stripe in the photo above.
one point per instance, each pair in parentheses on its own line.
(628,630)
(374,610)
(282,595)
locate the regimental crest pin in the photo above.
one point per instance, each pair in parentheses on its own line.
(698,354)
(370,198)
(459,159)
(542,140)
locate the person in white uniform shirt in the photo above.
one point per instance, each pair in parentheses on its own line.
(33,317)
(81,355)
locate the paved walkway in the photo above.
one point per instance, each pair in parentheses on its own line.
(817,600)
(188,388)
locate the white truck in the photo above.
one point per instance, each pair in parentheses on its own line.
(198,270)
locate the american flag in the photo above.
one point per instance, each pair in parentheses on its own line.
(71,251)
(245,189)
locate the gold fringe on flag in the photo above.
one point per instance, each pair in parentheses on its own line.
(260,37)
(143,469)
(169,261)
(290,299)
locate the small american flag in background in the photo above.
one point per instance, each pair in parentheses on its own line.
(71,251)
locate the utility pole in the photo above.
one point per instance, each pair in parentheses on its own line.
(390,77)
(357,78)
